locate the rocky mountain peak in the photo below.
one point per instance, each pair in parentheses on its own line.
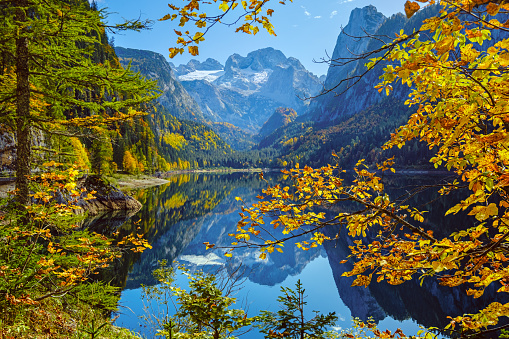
(194,65)
(265,58)
(295,63)
(251,87)
(350,42)
(154,66)
(367,17)
(358,93)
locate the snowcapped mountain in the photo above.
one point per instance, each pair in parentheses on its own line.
(209,76)
(247,90)
(195,65)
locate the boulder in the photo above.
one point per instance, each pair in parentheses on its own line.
(106,197)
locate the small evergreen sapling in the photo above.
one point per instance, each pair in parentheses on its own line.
(290,321)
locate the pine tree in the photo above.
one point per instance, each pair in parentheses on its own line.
(50,80)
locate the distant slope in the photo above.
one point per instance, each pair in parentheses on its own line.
(174,98)
(356,137)
(281,117)
(238,139)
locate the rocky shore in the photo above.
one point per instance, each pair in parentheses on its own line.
(107,196)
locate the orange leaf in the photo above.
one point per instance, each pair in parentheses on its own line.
(193,50)
(410,8)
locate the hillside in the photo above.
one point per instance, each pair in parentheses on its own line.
(174,98)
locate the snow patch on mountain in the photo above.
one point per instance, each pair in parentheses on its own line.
(256,77)
(209,76)
(247,90)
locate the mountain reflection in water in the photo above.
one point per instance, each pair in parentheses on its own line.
(180,216)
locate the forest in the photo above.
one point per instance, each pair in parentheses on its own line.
(70,108)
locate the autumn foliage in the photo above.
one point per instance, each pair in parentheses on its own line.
(45,255)
(457,67)
(253,14)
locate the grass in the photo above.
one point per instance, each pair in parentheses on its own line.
(54,319)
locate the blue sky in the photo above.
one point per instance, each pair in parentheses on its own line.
(305,30)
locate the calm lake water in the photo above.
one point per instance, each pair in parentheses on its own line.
(191,209)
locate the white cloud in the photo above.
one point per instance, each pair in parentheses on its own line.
(318,17)
(345,1)
(333,14)
(305,11)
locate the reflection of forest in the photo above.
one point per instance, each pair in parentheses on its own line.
(171,217)
(177,218)
(429,304)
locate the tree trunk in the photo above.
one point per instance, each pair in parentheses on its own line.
(23,135)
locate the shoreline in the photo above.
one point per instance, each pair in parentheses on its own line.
(126,182)
(228,170)
(130,183)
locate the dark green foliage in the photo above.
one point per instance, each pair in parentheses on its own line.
(290,321)
(205,311)
(101,155)
(202,146)
(237,138)
(360,136)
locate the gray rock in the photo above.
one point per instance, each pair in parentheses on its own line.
(154,66)
(106,197)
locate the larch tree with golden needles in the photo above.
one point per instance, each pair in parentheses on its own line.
(457,65)
(48,71)
(50,82)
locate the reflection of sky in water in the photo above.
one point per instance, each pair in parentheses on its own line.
(321,291)
(184,238)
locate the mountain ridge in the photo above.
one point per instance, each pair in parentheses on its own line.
(250,88)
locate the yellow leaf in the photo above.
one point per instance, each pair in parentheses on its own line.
(224,6)
(492,209)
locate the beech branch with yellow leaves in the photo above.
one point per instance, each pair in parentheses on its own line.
(253,14)
(457,69)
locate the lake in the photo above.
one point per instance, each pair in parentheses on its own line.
(191,209)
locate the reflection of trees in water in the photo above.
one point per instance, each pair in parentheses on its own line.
(171,216)
(429,304)
(192,209)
